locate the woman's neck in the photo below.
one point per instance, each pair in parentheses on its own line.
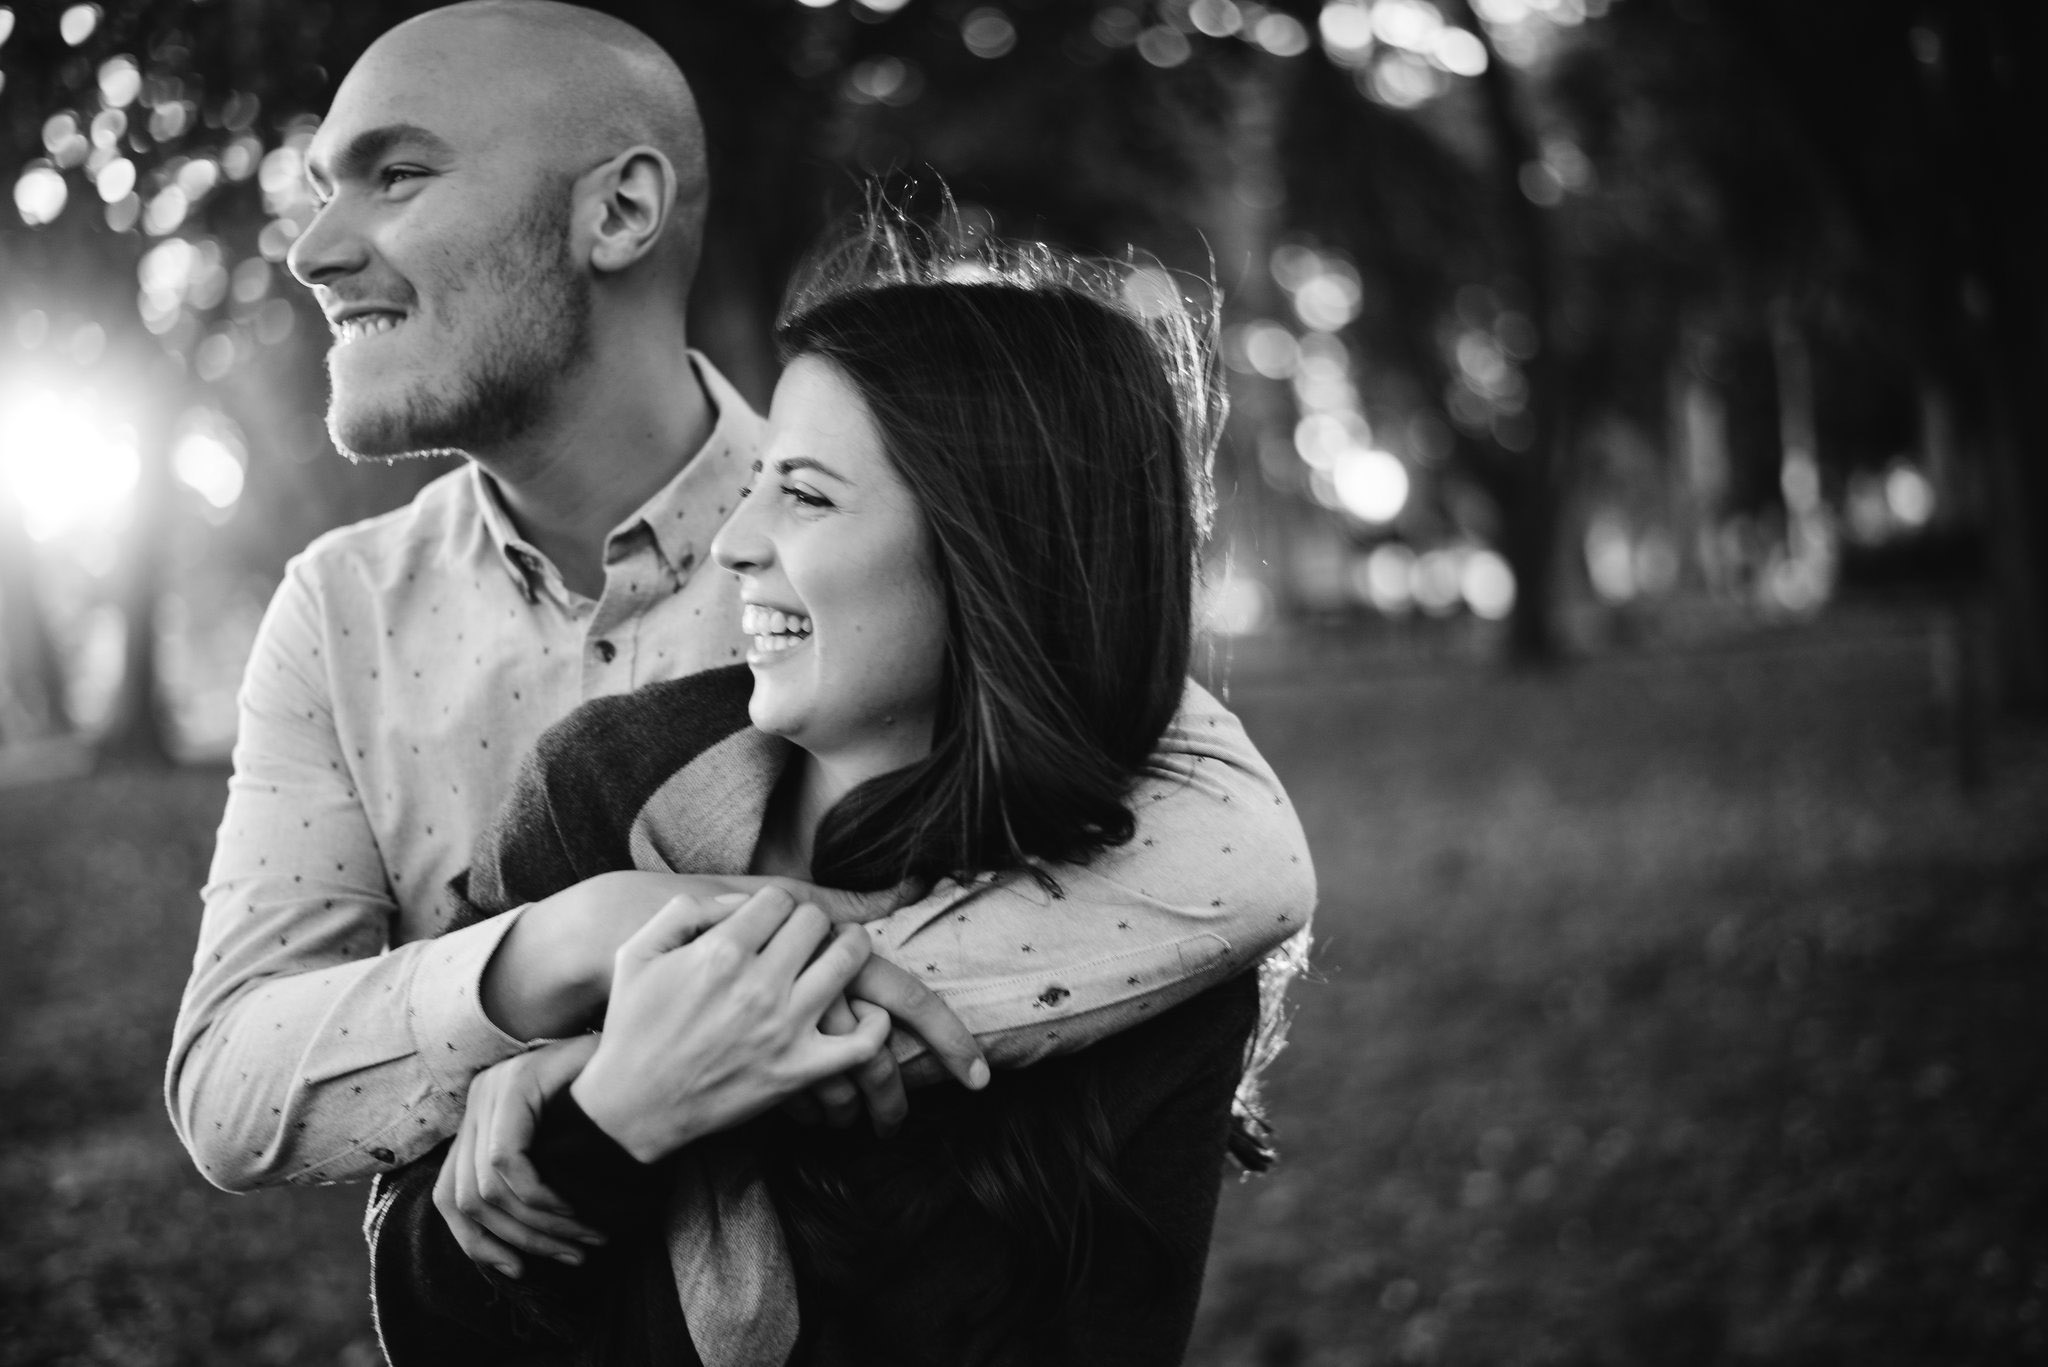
(810,786)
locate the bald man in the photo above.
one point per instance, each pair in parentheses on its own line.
(511,204)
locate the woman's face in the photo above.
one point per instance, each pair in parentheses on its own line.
(837,582)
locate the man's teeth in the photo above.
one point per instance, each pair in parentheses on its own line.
(773,629)
(364,325)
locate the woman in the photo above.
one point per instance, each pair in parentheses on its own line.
(967,564)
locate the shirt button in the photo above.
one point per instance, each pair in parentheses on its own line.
(606,651)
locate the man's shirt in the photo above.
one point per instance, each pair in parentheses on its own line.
(404,669)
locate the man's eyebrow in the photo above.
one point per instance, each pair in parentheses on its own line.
(362,152)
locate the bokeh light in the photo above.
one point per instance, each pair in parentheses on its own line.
(1236,605)
(120,81)
(1270,349)
(1487,584)
(1215,18)
(1164,46)
(206,464)
(165,211)
(988,33)
(1909,495)
(1458,52)
(1610,558)
(115,180)
(1346,28)
(1372,484)
(1281,34)
(1388,579)
(39,194)
(64,140)
(1409,24)
(77,23)
(65,460)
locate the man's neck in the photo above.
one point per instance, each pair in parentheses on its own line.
(622,427)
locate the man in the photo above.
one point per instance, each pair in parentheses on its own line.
(511,200)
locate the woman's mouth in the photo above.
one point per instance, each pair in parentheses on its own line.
(773,631)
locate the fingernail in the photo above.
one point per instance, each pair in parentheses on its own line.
(730,899)
(573,1258)
(594,1240)
(507,1270)
(977,1075)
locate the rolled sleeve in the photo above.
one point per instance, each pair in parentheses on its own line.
(1216,876)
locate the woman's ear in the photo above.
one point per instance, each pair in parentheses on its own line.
(627,201)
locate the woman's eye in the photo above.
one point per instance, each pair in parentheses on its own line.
(806,498)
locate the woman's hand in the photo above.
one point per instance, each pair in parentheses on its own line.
(492,1199)
(713,1018)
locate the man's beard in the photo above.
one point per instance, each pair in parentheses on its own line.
(536,330)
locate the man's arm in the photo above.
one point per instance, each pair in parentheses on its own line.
(304,1052)
(1216,876)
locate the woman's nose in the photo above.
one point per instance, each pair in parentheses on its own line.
(742,544)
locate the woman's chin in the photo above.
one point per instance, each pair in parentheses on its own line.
(768,717)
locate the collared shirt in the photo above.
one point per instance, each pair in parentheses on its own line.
(404,668)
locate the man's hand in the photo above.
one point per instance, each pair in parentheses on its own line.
(494,1202)
(879,1082)
(713,1018)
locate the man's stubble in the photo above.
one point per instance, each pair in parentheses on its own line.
(536,331)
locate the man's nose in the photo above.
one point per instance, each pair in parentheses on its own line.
(330,248)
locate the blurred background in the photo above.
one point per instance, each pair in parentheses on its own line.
(1631,554)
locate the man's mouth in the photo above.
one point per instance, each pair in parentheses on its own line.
(361,325)
(772,629)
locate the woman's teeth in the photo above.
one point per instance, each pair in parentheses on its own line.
(773,630)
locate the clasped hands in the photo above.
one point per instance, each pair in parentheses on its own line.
(717,1007)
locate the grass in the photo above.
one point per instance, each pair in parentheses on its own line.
(1672,1009)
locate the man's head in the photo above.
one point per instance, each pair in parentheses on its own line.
(499,181)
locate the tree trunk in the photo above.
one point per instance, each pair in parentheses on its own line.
(33,682)
(1242,223)
(1534,482)
(138,731)
(1998,105)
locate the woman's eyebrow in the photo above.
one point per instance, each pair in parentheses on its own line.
(790,464)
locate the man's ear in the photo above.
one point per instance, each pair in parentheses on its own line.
(628,201)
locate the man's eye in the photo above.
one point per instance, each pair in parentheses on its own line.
(394,175)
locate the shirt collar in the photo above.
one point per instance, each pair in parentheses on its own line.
(682,516)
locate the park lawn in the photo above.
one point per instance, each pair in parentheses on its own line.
(1672,1009)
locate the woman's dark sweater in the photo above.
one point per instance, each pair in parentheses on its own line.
(897,1258)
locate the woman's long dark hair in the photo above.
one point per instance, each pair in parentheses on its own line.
(1044,443)
(1055,422)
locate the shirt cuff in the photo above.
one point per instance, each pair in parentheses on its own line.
(454,1037)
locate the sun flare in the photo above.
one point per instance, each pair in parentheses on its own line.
(66,462)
